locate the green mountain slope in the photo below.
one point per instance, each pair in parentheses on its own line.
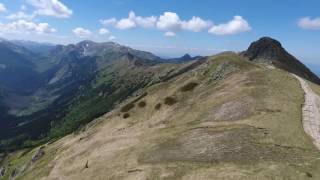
(78,83)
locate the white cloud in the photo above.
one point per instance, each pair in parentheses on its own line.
(103,31)
(196,24)
(2,8)
(146,22)
(26,27)
(107,22)
(235,26)
(308,23)
(20,15)
(170,34)
(81,32)
(134,21)
(127,23)
(169,21)
(112,38)
(51,8)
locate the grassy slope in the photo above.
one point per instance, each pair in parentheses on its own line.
(242,121)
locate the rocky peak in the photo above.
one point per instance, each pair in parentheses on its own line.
(186,57)
(270,51)
(265,49)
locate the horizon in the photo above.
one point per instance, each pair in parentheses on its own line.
(167,28)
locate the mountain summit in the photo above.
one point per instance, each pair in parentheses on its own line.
(268,50)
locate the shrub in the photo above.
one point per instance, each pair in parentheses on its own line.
(127,107)
(142,104)
(189,87)
(140,97)
(158,106)
(170,101)
(126,115)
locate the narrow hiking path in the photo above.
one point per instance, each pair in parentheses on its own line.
(311,112)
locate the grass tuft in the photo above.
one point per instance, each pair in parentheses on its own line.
(189,87)
(127,107)
(126,115)
(142,104)
(170,101)
(158,106)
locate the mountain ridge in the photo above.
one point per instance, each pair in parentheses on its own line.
(85,80)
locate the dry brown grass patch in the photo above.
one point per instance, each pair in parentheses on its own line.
(189,87)
(170,101)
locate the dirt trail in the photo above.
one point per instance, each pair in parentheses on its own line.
(311,112)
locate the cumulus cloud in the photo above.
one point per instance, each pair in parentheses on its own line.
(2,8)
(127,23)
(235,26)
(20,15)
(172,23)
(169,21)
(134,21)
(170,34)
(146,22)
(308,23)
(196,24)
(112,38)
(81,32)
(53,8)
(103,31)
(23,26)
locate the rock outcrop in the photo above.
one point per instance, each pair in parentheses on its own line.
(38,155)
(2,171)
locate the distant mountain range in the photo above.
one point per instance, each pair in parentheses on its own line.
(43,85)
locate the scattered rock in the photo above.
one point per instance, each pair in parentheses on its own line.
(233,110)
(38,155)
(87,165)
(13,174)
(2,171)
(134,170)
(222,71)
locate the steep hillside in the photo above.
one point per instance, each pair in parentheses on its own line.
(226,118)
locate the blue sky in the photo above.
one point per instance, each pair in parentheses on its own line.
(168,27)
